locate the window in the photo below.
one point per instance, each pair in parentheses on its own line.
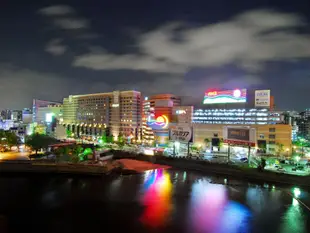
(272,136)
(261,136)
(272,130)
(272,142)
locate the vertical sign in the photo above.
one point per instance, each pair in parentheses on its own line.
(262,98)
(116,95)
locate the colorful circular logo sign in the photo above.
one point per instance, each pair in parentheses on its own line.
(160,122)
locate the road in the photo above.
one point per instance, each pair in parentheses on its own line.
(14,155)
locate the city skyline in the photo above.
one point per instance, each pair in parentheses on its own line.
(54,50)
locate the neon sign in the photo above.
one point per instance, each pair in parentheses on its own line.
(161,122)
(223,97)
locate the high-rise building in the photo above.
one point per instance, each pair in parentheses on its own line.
(17,115)
(6,114)
(91,114)
(303,123)
(36,104)
(156,114)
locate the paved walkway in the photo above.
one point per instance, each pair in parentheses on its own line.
(141,166)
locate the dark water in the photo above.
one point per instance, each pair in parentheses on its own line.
(158,201)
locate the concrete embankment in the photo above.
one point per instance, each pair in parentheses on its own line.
(251,174)
(48,168)
(122,166)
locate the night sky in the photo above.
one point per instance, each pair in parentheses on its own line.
(51,49)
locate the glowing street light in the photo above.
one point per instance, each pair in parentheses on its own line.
(296,192)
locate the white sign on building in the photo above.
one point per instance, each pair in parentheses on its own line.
(181,133)
(262,98)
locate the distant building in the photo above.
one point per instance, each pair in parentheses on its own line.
(27,116)
(6,114)
(303,123)
(17,115)
(47,113)
(36,104)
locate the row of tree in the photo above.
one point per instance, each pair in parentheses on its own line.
(8,138)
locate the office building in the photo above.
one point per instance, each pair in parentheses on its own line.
(92,114)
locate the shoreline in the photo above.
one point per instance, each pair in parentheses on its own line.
(251,174)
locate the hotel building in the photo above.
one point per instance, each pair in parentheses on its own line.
(91,114)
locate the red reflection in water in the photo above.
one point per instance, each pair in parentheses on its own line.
(157,199)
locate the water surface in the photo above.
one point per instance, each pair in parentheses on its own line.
(156,201)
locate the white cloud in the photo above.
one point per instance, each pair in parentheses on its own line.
(55,47)
(65,17)
(249,40)
(71,23)
(57,10)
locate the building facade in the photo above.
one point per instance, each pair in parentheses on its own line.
(92,114)
(237,116)
(36,104)
(270,138)
(157,113)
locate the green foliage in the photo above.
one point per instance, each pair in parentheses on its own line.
(8,138)
(39,141)
(11,138)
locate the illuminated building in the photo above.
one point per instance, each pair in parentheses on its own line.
(91,114)
(157,109)
(268,137)
(236,116)
(45,114)
(36,104)
(238,106)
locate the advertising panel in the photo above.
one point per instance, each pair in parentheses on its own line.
(239,135)
(181,133)
(262,98)
(161,122)
(224,97)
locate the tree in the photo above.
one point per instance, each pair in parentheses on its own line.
(11,139)
(39,141)
(120,140)
(280,148)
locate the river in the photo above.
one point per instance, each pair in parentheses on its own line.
(155,201)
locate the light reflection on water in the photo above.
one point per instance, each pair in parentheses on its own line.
(212,211)
(211,208)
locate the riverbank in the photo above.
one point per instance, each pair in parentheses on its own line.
(251,174)
(121,166)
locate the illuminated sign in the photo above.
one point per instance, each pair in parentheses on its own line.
(239,135)
(49,117)
(262,98)
(180,112)
(115,105)
(161,122)
(223,97)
